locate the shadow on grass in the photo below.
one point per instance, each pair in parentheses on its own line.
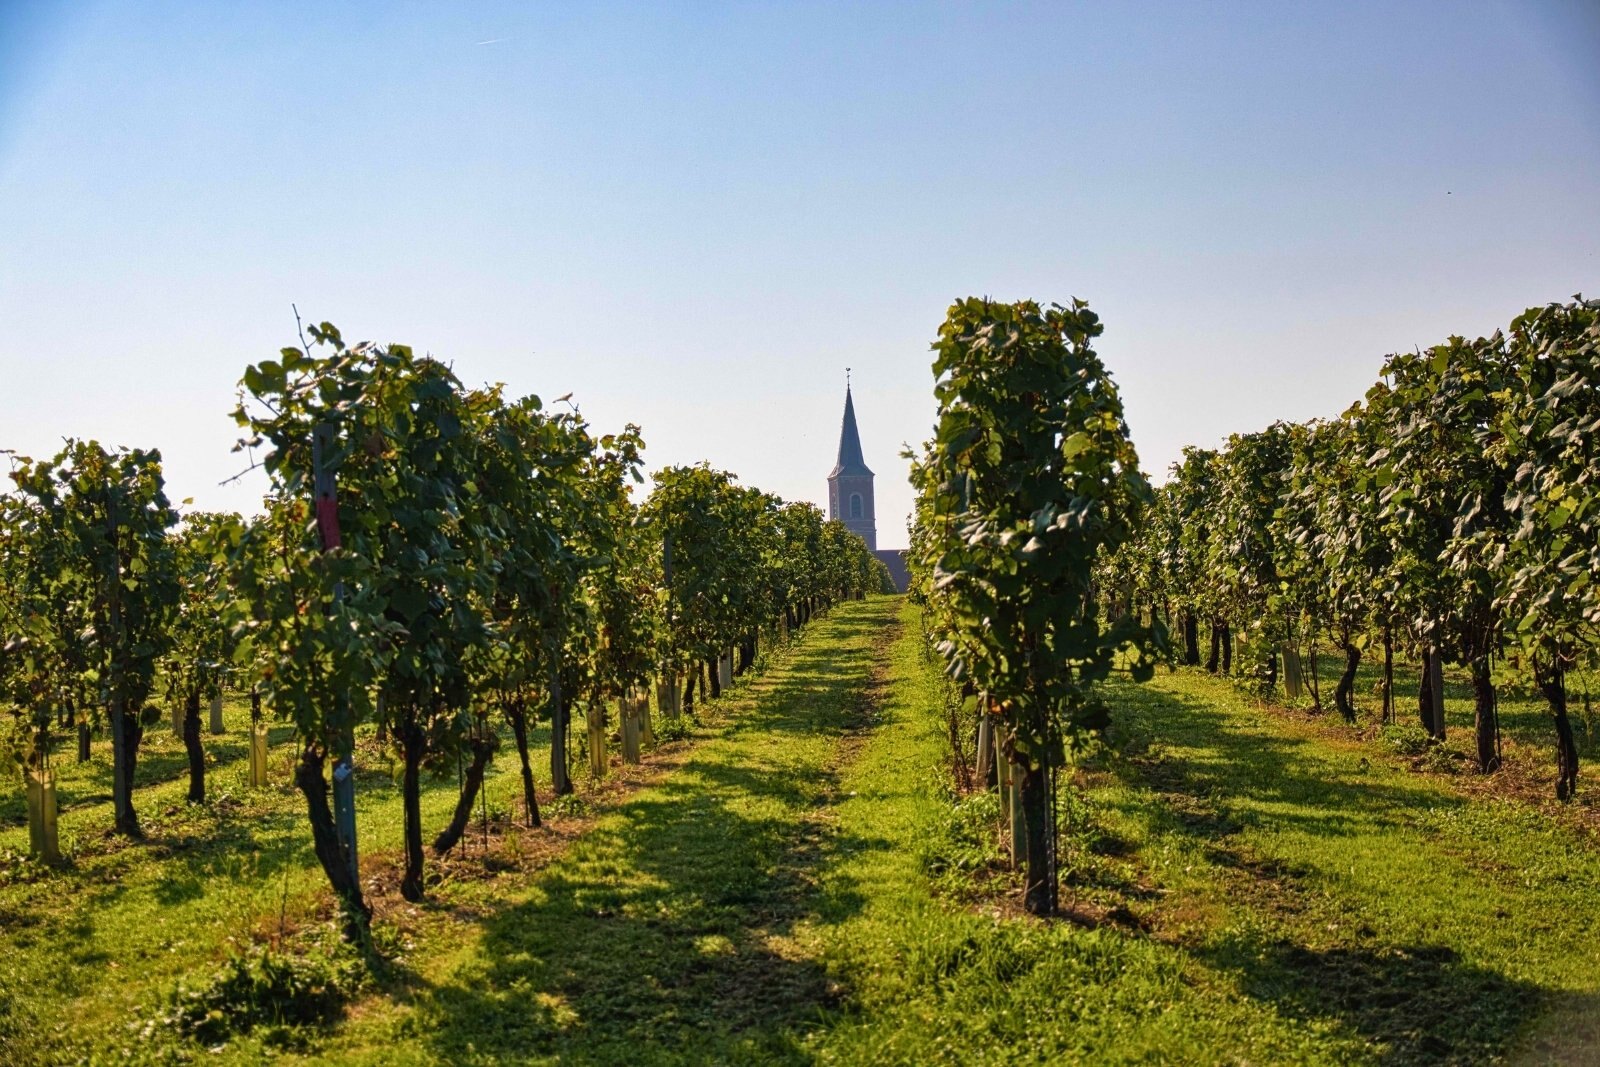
(162,760)
(1416,1003)
(1419,1004)
(667,936)
(1218,786)
(1524,715)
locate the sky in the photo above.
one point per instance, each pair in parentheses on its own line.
(695,216)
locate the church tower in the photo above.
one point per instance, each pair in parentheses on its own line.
(850,484)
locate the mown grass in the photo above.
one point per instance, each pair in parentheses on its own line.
(935,979)
(1255,892)
(801,885)
(90,952)
(668,933)
(1525,722)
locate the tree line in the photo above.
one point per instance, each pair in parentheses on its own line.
(431,561)
(1451,516)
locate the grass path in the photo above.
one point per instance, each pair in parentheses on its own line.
(1356,897)
(668,933)
(800,886)
(1263,890)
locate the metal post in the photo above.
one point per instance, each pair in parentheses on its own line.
(669,708)
(323,439)
(122,788)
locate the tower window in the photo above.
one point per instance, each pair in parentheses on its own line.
(855,505)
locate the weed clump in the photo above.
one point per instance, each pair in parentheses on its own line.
(963,841)
(272,994)
(1406,739)
(568,806)
(674,728)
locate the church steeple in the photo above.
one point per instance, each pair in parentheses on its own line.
(850,459)
(850,483)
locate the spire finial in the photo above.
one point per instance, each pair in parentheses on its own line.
(847,377)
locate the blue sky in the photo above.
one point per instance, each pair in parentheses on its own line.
(695,216)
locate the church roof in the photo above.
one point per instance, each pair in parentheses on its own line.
(850,458)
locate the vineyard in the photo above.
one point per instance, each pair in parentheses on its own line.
(469,748)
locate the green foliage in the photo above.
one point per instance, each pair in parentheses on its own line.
(201,650)
(263,990)
(1406,739)
(107,516)
(91,587)
(962,843)
(675,728)
(1454,510)
(1548,436)
(1030,476)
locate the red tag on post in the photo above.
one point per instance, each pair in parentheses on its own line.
(328,521)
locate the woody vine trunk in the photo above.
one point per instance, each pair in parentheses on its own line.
(482,750)
(1425,692)
(191,745)
(126,733)
(1344,692)
(413,744)
(517,714)
(82,722)
(1552,684)
(1486,719)
(313,785)
(1039,893)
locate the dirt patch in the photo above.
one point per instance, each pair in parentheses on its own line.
(873,695)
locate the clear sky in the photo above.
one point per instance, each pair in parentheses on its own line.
(695,216)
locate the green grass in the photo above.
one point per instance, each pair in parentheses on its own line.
(1257,891)
(1525,722)
(90,951)
(800,885)
(668,933)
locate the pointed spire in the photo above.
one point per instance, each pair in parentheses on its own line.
(851,461)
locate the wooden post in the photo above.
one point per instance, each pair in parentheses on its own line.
(597,739)
(123,815)
(344,771)
(560,781)
(985,745)
(1388,672)
(632,715)
(43,842)
(668,695)
(1292,684)
(1019,829)
(647,726)
(1436,676)
(258,755)
(1002,768)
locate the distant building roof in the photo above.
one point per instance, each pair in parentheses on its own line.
(895,560)
(851,461)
